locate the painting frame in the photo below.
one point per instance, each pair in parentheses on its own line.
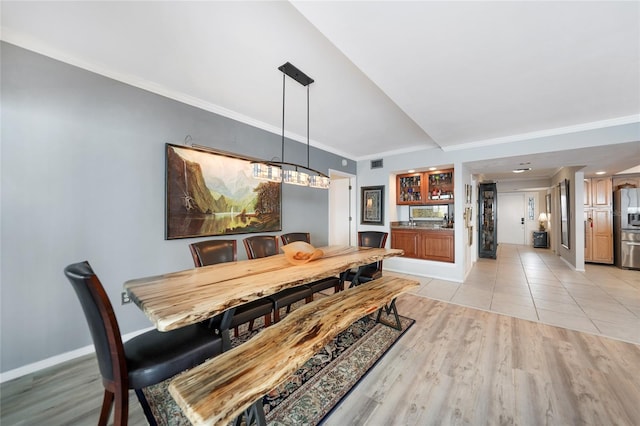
(565,213)
(213,193)
(372,205)
(548,205)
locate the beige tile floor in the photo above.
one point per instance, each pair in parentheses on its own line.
(535,284)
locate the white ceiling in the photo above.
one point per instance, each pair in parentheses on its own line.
(390,77)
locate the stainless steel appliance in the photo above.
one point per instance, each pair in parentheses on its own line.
(626,228)
(630,249)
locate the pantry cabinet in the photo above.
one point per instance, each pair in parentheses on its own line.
(598,236)
(598,220)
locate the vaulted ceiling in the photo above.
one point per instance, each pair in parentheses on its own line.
(390,77)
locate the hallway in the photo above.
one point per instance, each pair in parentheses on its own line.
(536,285)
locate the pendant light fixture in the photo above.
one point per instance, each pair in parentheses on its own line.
(282,171)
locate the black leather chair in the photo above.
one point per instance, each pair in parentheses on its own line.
(295,236)
(211,252)
(259,246)
(316,286)
(371,271)
(145,360)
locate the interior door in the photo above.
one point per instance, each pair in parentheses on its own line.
(511,218)
(341,211)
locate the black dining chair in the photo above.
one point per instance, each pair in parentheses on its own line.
(259,246)
(142,361)
(371,271)
(211,252)
(316,286)
(295,236)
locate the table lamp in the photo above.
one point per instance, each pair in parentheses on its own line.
(542,219)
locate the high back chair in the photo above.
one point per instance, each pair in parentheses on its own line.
(259,246)
(211,252)
(145,360)
(295,236)
(316,286)
(371,271)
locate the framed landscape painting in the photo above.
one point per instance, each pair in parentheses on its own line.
(215,194)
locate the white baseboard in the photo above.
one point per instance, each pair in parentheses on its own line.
(57,359)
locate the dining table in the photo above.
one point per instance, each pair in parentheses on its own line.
(178,299)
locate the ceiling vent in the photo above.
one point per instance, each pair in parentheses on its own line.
(376,164)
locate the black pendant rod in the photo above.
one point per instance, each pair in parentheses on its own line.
(307,127)
(283,84)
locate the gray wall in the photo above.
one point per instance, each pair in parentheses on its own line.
(82,178)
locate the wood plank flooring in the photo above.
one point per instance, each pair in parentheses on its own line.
(459,365)
(455,366)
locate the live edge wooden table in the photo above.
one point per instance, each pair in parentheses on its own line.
(187,297)
(221,392)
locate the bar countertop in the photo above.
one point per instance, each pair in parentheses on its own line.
(421,226)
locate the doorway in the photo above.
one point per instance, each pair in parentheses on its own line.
(342,202)
(511,223)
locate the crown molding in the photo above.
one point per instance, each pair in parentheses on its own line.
(594,125)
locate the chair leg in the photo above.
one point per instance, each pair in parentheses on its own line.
(235,329)
(308,299)
(146,408)
(276,315)
(121,414)
(107,403)
(251,322)
(267,320)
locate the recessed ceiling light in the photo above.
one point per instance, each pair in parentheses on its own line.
(522,170)
(411,171)
(600,173)
(432,168)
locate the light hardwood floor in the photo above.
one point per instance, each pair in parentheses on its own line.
(456,365)
(463,366)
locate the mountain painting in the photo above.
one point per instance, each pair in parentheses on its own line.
(213,194)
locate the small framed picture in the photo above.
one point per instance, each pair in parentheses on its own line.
(372,209)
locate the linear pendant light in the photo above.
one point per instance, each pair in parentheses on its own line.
(282,171)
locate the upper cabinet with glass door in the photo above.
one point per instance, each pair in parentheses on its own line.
(440,186)
(422,188)
(410,188)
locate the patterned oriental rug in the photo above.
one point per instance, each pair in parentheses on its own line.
(314,390)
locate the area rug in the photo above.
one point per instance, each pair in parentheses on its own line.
(315,389)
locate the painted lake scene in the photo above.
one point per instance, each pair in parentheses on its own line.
(213,194)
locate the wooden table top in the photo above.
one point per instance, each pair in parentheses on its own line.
(178,299)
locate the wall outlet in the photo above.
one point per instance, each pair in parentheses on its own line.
(125,298)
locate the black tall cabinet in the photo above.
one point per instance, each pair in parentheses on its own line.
(487,220)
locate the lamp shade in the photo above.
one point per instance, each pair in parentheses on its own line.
(542,219)
(267,172)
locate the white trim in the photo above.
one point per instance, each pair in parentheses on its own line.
(58,359)
(13,37)
(619,121)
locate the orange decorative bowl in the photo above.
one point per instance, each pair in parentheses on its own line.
(299,252)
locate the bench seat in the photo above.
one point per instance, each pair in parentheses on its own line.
(220,389)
